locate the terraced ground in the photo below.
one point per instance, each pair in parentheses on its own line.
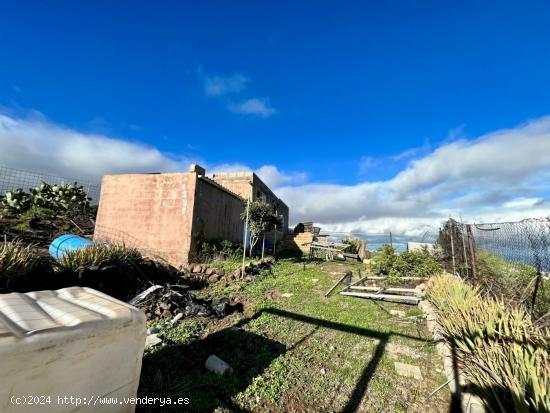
(293,350)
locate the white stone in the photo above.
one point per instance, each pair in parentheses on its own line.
(408,370)
(217,365)
(152,340)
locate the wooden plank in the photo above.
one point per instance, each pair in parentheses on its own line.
(336,285)
(401,278)
(360,280)
(404,298)
(388,290)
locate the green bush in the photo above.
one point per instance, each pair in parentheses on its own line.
(511,281)
(353,243)
(387,263)
(18,265)
(502,352)
(217,249)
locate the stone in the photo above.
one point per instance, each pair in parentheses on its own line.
(398,313)
(408,370)
(237,273)
(323,371)
(152,340)
(220,272)
(213,278)
(287,295)
(177,318)
(210,271)
(248,278)
(196,268)
(217,365)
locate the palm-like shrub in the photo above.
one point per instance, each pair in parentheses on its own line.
(18,262)
(504,354)
(98,257)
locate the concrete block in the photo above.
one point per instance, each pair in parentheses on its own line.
(408,370)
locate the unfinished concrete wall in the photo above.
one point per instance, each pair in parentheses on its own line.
(249,186)
(153,212)
(217,212)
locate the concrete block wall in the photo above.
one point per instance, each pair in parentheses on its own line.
(155,210)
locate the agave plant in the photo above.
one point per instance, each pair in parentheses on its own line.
(504,354)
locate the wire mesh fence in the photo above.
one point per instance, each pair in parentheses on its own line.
(12,179)
(508,260)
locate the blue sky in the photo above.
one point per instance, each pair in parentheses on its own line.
(323,93)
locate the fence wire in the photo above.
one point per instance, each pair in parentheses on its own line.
(508,260)
(12,179)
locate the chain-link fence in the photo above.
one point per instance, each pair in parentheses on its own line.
(12,178)
(509,260)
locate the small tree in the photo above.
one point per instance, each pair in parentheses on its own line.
(261,220)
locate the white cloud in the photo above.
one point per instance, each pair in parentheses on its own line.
(258,107)
(503,175)
(274,178)
(216,85)
(36,144)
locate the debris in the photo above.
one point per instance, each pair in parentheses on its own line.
(166,302)
(177,318)
(217,365)
(346,275)
(408,370)
(142,295)
(152,340)
(153,330)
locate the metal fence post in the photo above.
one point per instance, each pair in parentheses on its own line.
(472,253)
(535,291)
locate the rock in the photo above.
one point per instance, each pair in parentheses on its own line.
(408,370)
(177,318)
(152,340)
(220,272)
(196,268)
(166,314)
(213,278)
(153,330)
(217,365)
(287,295)
(323,371)
(398,313)
(332,348)
(237,273)
(210,271)
(237,287)
(248,278)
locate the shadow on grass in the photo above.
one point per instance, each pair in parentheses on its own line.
(362,384)
(249,354)
(178,370)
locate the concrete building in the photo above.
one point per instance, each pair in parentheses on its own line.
(162,213)
(249,186)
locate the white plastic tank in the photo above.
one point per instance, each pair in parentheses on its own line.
(74,342)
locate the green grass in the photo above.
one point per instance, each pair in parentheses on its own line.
(300,353)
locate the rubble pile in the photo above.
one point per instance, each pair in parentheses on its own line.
(168,302)
(197,273)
